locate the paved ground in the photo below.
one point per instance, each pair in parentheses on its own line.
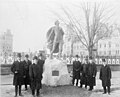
(7,89)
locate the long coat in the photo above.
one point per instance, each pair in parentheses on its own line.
(105,75)
(35,72)
(41,62)
(91,74)
(84,73)
(26,66)
(76,69)
(18,78)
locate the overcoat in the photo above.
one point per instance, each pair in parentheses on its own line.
(26,66)
(35,72)
(76,69)
(18,78)
(105,75)
(41,63)
(84,73)
(91,74)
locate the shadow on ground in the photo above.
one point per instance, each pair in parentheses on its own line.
(112,89)
(59,91)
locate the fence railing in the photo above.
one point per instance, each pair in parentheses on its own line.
(111,60)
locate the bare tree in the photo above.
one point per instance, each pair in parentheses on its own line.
(95,26)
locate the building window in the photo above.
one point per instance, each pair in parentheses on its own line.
(117,45)
(117,52)
(109,44)
(104,45)
(109,52)
(104,52)
(100,53)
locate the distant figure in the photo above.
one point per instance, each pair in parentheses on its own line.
(76,70)
(19,74)
(91,73)
(55,39)
(27,64)
(35,72)
(105,76)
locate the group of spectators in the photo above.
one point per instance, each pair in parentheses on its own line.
(27,73)
(86,73)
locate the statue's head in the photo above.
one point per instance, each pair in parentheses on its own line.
(57,23)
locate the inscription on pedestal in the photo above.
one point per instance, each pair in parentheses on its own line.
(55,73)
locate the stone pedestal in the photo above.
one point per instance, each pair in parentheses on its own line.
(55,73)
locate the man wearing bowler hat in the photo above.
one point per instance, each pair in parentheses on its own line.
(84,80)
(76,70)
(19,74)
(35,72)
(105,76)
(91,74)
(27,64)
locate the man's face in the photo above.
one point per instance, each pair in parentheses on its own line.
(76,58)
(35,61)
(40,57)
(90,61)
(19,58)
(104,63)
(26,58)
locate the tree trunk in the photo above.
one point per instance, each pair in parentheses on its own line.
(90,51)
(72,49)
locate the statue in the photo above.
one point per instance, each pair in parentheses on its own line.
(55,70)
(55,39)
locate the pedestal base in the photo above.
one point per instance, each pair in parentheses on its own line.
(55,73)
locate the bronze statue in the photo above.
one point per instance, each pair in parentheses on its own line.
(55,39)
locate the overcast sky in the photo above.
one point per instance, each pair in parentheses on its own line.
(29,20)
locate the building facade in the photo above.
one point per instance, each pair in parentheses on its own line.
(110,46)
(6,43)
(79,49)
(72,46)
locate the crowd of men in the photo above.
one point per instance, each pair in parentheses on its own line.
(86,73)
(83,73)
(27,73)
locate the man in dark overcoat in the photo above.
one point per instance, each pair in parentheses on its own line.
(19,73)
(41,60)
(83,80)
(27,64)
(105,76)
(35,72)
(76,70)
(91,74)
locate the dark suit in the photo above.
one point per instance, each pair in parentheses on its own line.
(35,72)
(76,71)
(105,76)
(91,73)
(18,70)
(84,78)
(27,78)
